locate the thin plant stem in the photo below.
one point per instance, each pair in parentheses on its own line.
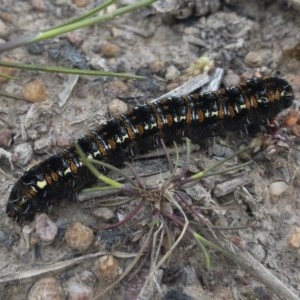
(209,171)
(131,266)
(50,69)
(87,14)
(94,170)
(51,33)
(165,257)
(127,218)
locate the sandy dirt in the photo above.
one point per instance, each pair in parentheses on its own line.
(244,38)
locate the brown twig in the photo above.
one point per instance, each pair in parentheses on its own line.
(253,267)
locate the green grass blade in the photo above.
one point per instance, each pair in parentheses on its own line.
(95,171)
(199,239)
(91,21)
(84,22)
(87,14)
(67,70)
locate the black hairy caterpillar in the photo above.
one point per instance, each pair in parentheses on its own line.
(195,116)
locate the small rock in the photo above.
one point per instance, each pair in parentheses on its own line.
(248,74)
(231,79)
(22,109)
(221,150)
(81,3)
(3,237)
(36,48)
(33,134)
(76,38)
(257,250)
(258,58)
(158,67)
(171,86)
(48,288)
(45,229)
(277,188)
(22,154)
(4,30)
(64,140)
(183,13)
(34,91)
(104,214)
(294,238)
(6,16)
(116,88)
(38,5)
(76,290)
(110,50)
(43,128)
(34,240)
(25,240)
(42,145)
(223,294)
(172,73)
(79,237)
(107,268)
(117,107)
(294,80)
(87,277)
(5,138)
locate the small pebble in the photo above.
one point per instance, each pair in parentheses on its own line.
(4,30)
(22,154)
(117,107)
(183,13)
(158,67)
(48,288)
(6,16)
(294,238)
(116,88)
(64,140)
(36,48)
(25,240)
(33,134)
(38,5)
(107,268)
(172,73)
(231,79)
(277,188)
(257,250)
(42,145)
(34,240)
(45,229)
(171,86)
(104,214)
(43,128)
(3,237)
(5,138)
(294,80)
(79,237)
(81,3)
(223,294)
(76,290)
(23,108)
(34,91)
(110,50)
(258,58)
(87,277)
(76,38)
